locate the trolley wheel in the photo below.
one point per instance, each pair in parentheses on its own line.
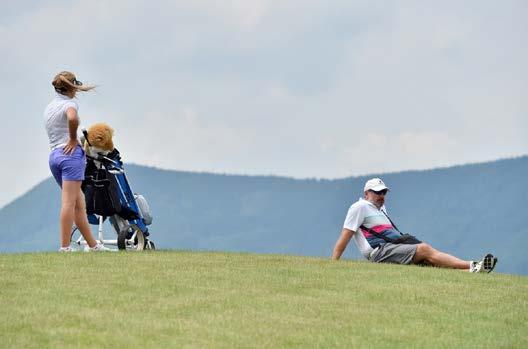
(149,245)
(136,241)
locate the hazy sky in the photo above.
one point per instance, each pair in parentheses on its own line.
(296,88)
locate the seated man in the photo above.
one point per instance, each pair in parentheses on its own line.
(376,240)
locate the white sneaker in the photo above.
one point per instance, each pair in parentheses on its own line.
(98,248)
(67,249)
(475,267)
(485,265)
(488,262)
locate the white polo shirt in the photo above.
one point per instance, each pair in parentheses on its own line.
(56,121)
(365,213)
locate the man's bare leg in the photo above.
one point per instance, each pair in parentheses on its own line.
(425,252)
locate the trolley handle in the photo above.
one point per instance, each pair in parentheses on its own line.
(104,159)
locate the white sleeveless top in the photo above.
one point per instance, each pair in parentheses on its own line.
(56,121)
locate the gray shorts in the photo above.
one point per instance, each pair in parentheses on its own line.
(393,253)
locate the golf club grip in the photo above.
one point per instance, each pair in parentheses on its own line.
(85,133)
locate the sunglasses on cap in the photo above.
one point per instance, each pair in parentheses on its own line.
(381,192)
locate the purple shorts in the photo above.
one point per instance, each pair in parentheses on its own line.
(67,167)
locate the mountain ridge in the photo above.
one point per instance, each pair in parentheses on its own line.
(456,209)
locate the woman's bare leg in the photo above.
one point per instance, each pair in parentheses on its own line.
(71,191)
(81,220)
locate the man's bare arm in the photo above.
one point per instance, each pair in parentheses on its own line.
(342,243)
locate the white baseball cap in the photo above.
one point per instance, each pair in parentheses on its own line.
(375,184)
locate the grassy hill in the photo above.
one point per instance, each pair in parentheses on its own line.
(223,300)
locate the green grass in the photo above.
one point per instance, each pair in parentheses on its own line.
(202,300)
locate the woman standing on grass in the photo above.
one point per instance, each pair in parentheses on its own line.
(67,160)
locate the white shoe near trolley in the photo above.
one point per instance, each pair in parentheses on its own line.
(67,249)
(98,248)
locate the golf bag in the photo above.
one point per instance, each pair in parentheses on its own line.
(108,195)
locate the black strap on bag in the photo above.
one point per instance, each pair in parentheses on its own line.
(100,191)
(407,239)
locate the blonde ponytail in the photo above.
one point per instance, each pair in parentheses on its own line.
(66,82)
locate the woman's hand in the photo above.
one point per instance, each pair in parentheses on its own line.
(70,146)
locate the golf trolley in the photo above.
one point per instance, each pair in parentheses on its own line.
(108,195)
